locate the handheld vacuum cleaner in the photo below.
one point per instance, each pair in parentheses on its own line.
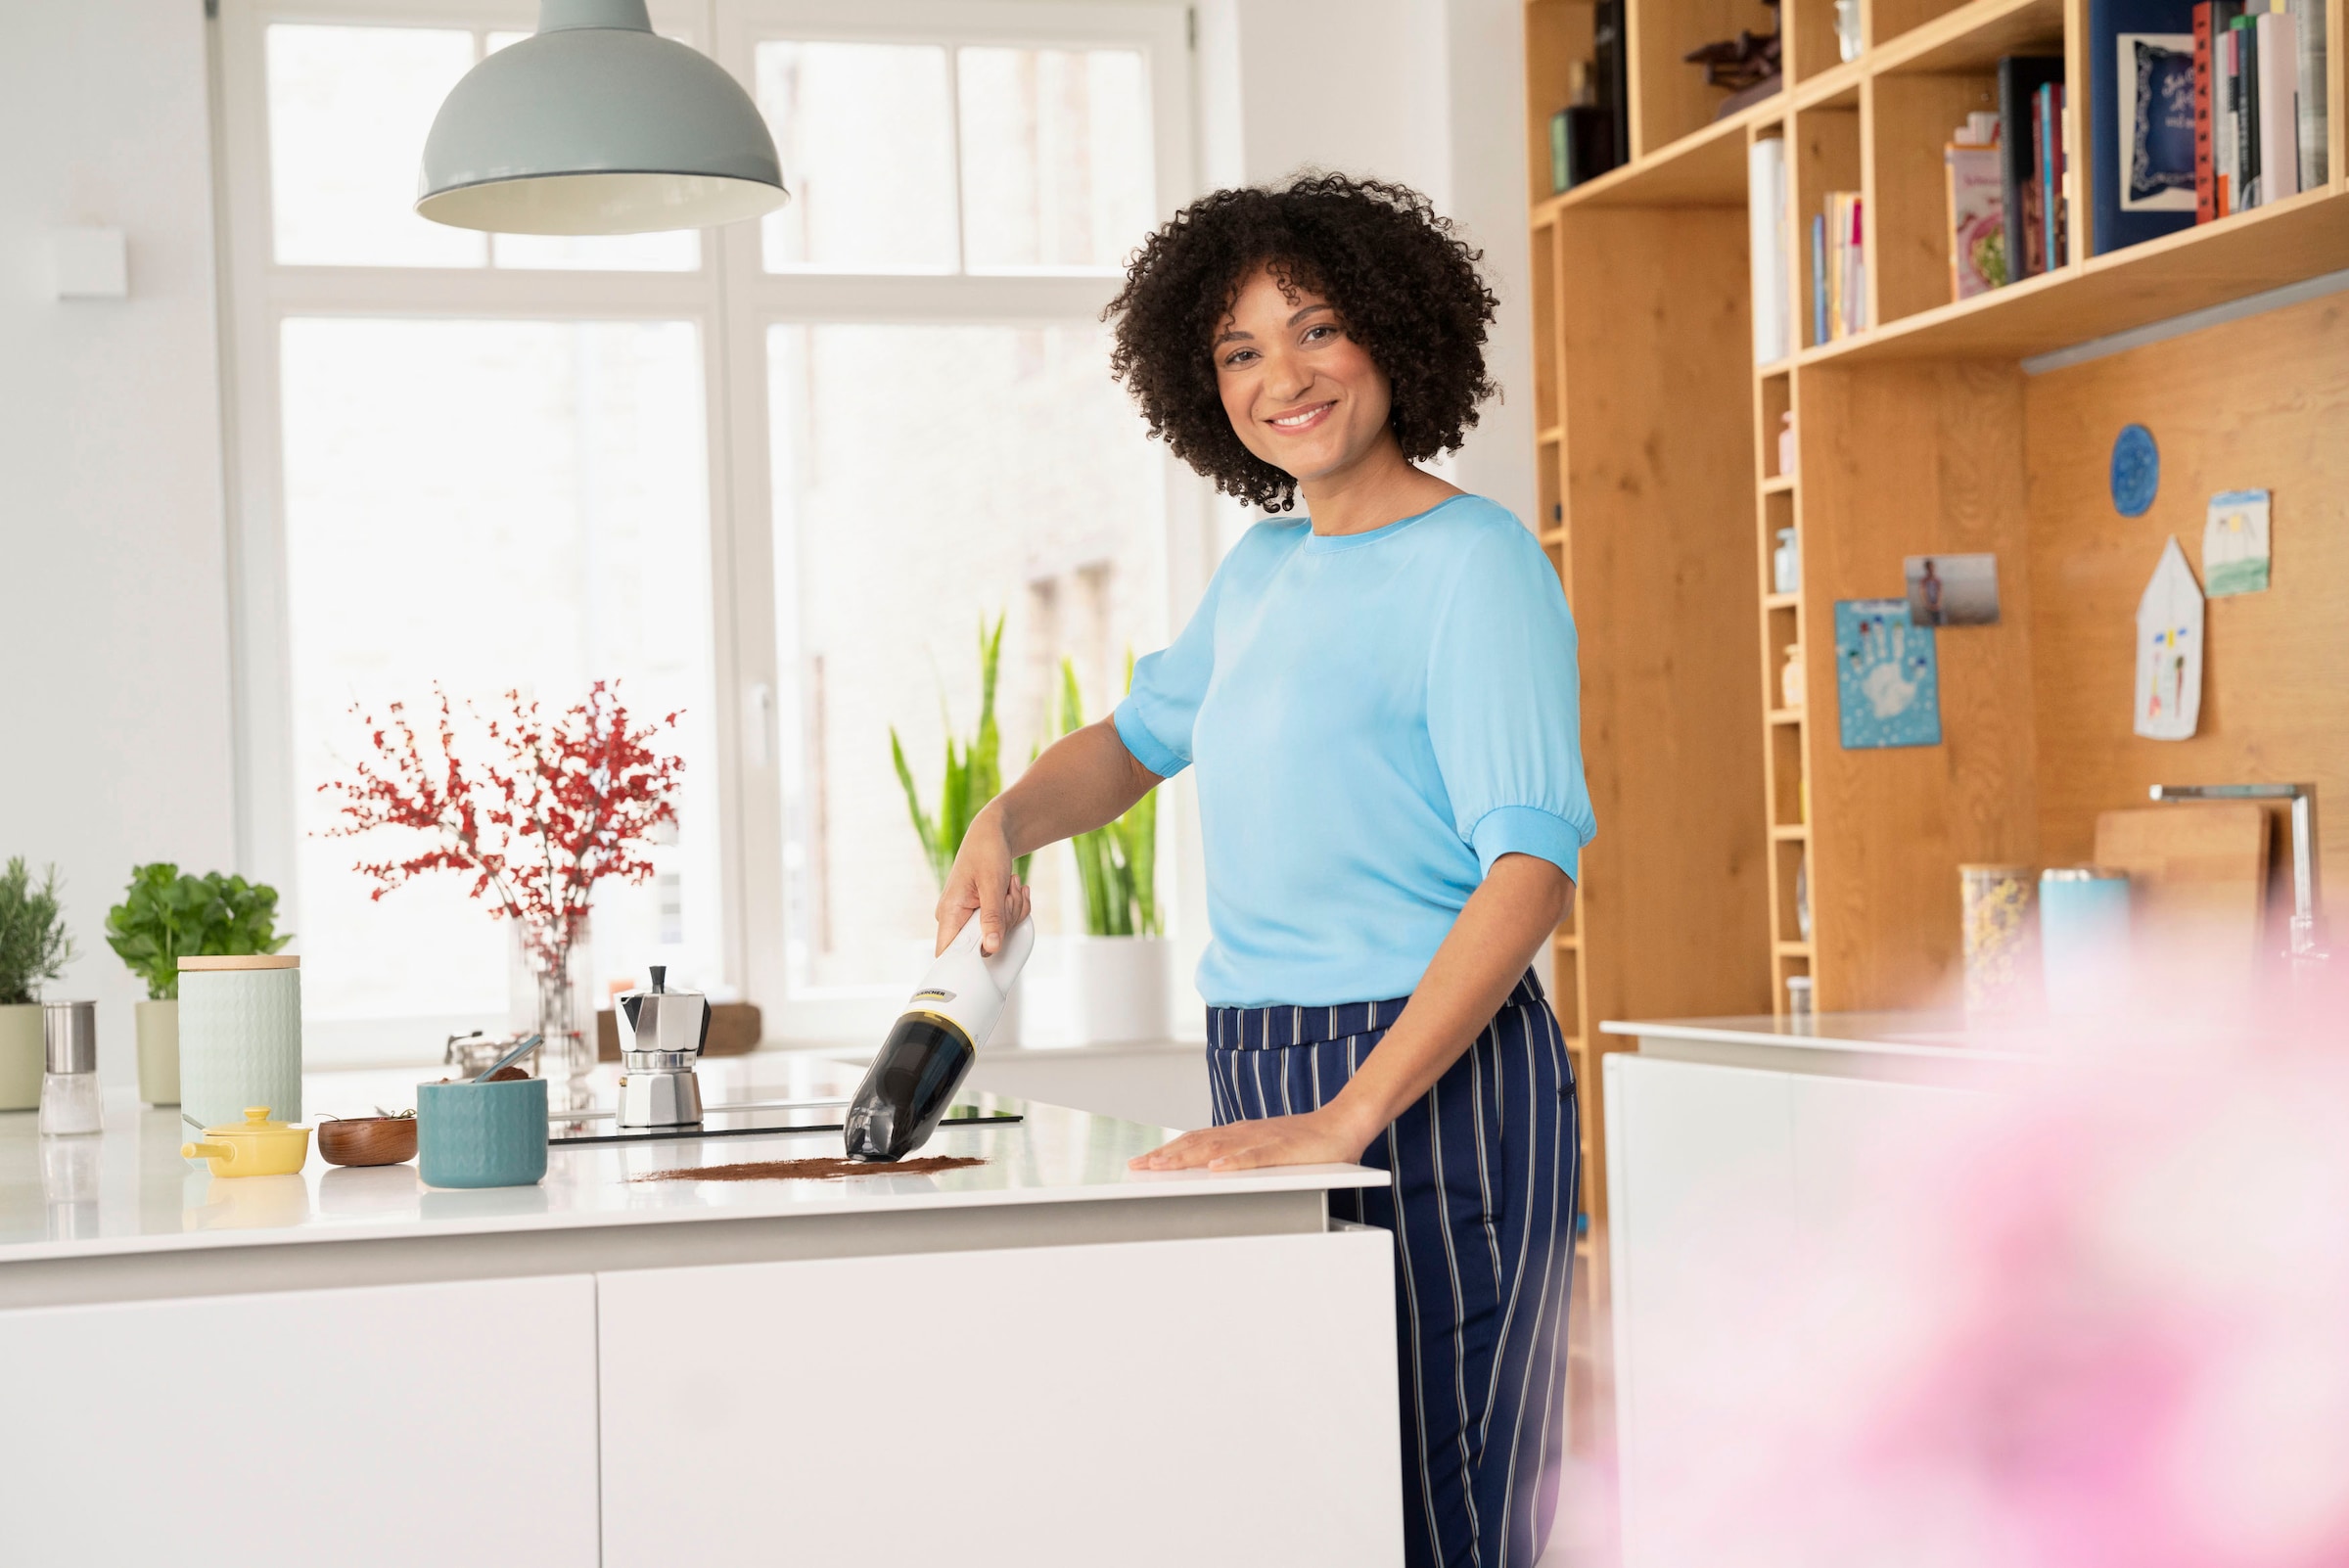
(930,1050)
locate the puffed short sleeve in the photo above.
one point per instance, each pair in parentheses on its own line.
(1505,706)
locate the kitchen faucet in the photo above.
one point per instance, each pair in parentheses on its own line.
(2307,951)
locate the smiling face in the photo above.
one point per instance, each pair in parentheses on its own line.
(1302,394)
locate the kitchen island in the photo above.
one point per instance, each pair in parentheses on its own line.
(1756,1175)
(1042,1358)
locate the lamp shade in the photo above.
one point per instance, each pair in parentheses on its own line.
(596,124)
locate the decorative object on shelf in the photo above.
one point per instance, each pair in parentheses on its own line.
(70,1100)
(164,913)
(1766,244)
(1118,970)
(1977,206)
(2000,924)
(34,948)
(1787,457)
(2169,650)
(2028,186)
(1801,1018)
(1790,679)
(2084,939)
(596,124)
(1748,66)
(558,805)
(2140,57)
(2135,470)
(1849,40)
(1801,894)
(1953,591)
(2235,544)
(240,1035)
(1887,677)
(1786,564)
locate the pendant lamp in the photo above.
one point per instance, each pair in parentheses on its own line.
(596,124)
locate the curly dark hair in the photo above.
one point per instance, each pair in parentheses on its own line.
(1406,286)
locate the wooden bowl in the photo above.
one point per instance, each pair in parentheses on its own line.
(368,1140)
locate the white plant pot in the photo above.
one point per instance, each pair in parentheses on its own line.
(159,1051)
(1118,990)
(21,1056)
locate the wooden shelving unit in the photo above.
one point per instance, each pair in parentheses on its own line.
(1661,497)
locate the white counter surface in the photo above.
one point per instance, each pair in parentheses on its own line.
(1924,1035)
(127,1190)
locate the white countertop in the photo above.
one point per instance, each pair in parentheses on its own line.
(1926,1036)
(127,1190)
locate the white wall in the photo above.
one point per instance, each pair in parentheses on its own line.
(1427,92)
(114,743)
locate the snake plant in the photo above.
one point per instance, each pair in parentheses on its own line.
(974,774)
(1117,865)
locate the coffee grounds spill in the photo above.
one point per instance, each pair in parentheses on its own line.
(830,1169)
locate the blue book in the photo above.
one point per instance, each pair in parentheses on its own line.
(1818,278)
(2141,187)
(1887,679)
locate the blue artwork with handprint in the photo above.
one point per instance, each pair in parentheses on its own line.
(1887,681)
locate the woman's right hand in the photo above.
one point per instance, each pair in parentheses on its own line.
(985,881)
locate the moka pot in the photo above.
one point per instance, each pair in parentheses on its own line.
(663,1033)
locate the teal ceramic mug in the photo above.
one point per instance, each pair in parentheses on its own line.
(481,1134)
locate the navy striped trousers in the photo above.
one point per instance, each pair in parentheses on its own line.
(1481,1204)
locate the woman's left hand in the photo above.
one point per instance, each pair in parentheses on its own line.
(1315,1138)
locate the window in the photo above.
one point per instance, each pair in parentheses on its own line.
(773,475)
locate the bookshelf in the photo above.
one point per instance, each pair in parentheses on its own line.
(1661,497)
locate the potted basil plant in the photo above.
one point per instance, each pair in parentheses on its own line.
(165,915)
(34,948)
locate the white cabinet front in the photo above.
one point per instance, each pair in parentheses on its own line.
(442,1424)
(1228,1400)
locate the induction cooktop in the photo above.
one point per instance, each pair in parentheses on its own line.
(746,1118)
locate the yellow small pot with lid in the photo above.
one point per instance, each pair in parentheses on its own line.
(255,1146)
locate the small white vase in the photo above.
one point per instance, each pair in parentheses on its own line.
(1117,989)
(158,1029)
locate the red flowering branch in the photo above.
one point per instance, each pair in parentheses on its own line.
(557,806)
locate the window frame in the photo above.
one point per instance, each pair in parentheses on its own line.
(732,300)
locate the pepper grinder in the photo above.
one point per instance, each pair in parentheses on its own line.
(69,1099)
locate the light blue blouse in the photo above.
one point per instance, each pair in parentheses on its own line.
(1376,718)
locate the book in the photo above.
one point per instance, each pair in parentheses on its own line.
(2046,124)
(1847,268)
(2207,194)
(2223,92)
(2310,34)
(1582,141)
(1977,208)
(2246,112)
(2115,122)
(2279,108)
(2020,77)
(1766,217)
(1611,68)
(2063,198)
(2157,122)
(1818,279)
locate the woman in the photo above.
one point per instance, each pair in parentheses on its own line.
(1380,702)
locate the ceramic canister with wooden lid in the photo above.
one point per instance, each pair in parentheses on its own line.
(240,1036)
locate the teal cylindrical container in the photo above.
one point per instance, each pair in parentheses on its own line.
(481,1134)
(2084,937)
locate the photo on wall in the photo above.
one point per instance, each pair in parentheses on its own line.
(1953,591)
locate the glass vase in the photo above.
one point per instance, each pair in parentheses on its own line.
(553,997)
